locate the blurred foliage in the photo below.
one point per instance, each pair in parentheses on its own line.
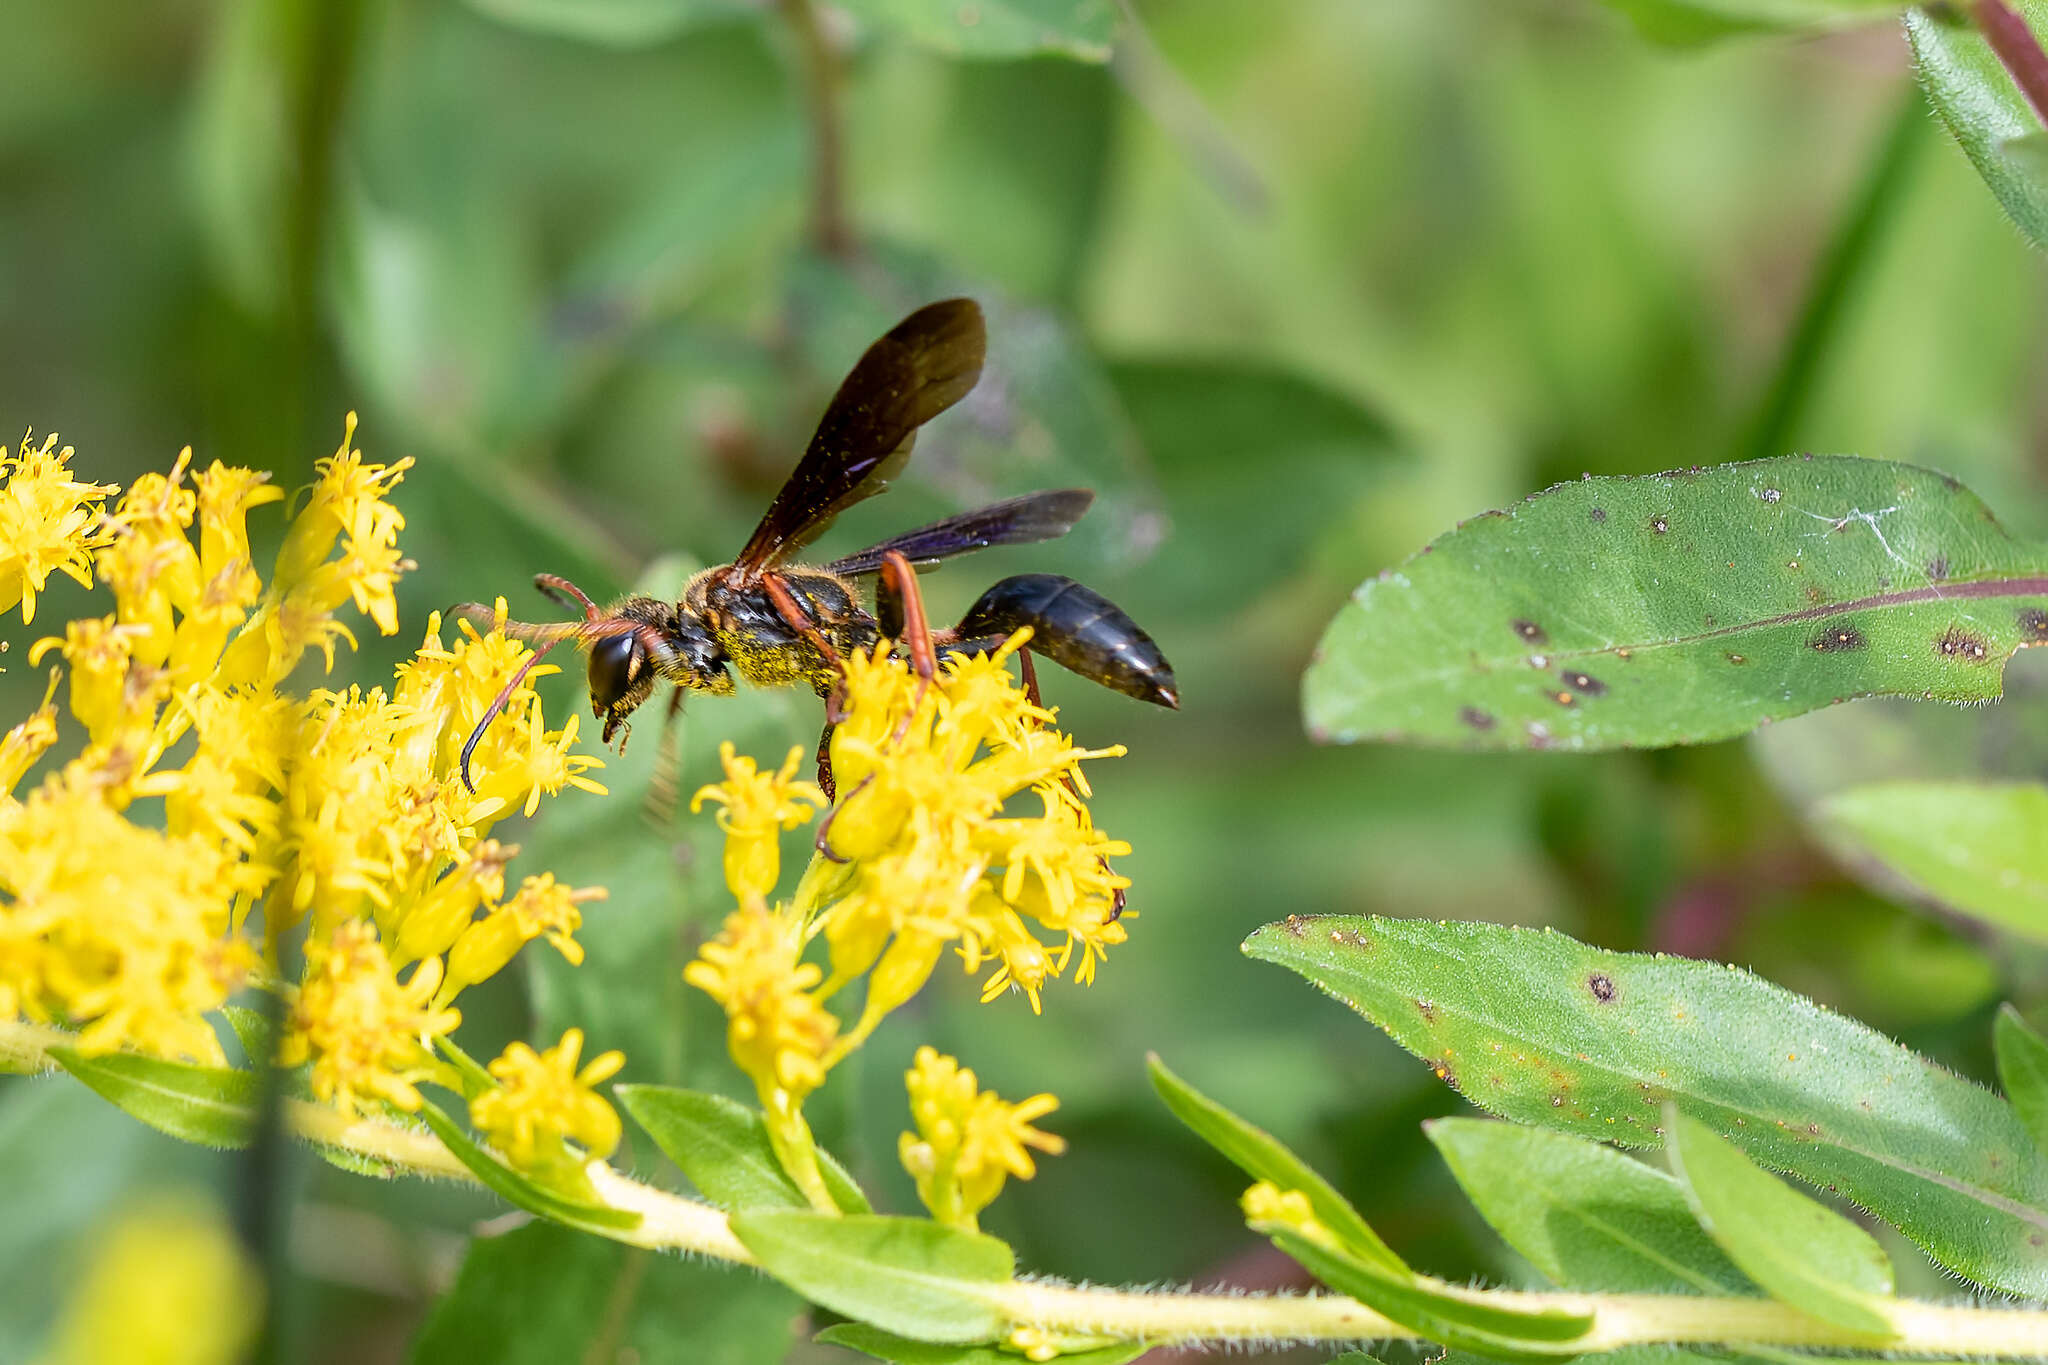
(1293,287)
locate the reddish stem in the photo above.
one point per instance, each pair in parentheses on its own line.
(2018,51)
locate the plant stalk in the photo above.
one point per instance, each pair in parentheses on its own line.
(822,75)
(672,1223)
(2018,51)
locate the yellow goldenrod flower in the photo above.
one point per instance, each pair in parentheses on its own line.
(777,1032)
(366,1033)
(112,926)
(542,1098)
(757,807)
(126,919)
(1266,1202)
(48,523)
(968,1141)
(542,907)
(166,1285)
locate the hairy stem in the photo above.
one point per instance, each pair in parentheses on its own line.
(821,76)
(670,1222)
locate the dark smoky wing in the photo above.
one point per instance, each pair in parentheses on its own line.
(925,364)
(1045,515)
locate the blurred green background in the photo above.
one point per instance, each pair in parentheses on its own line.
(1294,287)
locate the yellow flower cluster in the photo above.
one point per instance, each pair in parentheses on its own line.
(48,523)
(918,855)
(203,793)
(543,1098)
(968,1141)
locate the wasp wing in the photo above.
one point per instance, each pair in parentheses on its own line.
(1045,515)
(924,365)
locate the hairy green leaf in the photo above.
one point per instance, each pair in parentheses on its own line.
(905,1275)
(210,1105)
(1801,1252)
(1974,846)
(253,1030)
(2023,1070)
(521,1190)
(723,1146)
(544,1295)
(1682,607)
(1585,1215)
(1982,107)
(1081,29)
(1441,1312)
(859,1336)
(1263,1157)
(1537,1027)
(614,23)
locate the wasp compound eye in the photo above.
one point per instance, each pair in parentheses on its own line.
(616,662)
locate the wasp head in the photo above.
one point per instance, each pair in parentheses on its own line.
(656,642)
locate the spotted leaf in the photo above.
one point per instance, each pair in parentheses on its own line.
(1683,607)
(1541,1029)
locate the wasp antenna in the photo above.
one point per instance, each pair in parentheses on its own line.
(498,705)
(560,590)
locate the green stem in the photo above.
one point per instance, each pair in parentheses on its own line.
(830,232)
(1848,260)
(797,1150)
(672,1223)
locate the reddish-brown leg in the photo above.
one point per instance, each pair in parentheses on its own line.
(796,618)
(897,584)
(558,587)
(664,785)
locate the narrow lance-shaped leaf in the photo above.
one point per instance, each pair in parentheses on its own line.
(521,1190)
(1683,607)
(1802,1252)
(1974,846)
(1449,1316)
(1585,1215)
(209,1105)
(905,1275)
(2023,1071)
(1686,22)
(1983,108)
(723,1147)
(1545,1030)
(1263,1157)
(859,1336)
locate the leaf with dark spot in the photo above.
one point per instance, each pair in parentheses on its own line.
(1827,577)
(1800,1089)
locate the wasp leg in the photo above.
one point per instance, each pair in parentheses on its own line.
(1079,629)
(823,843)
(899,601)
(664,784)
(826,783)
(796,618)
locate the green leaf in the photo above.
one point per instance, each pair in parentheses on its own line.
(1801,1252)
(1686,22)
(520,1190)
(209,1105)
(723,1146)
(1226,435)
(543,1295)
(254,1031)
(615,23)
(2023,1070)
(1536,1027)
(1451,1316)
(994,29)
(1582,1213)
(1683,607)
(1973,846)
(1261,1156)
(859,1336)
(904,1275)
(1982,107)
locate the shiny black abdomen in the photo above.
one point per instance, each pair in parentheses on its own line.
(1077,628)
